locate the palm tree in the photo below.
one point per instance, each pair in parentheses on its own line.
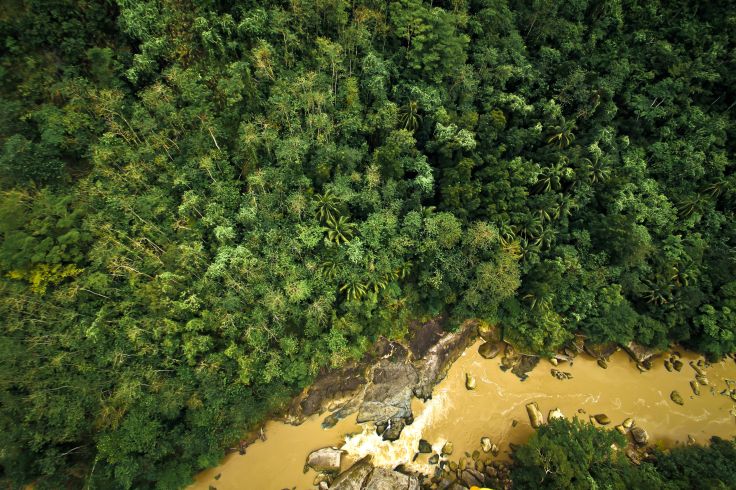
(716,188)
(551,177)
(546,238)
(506,230)
(409,115)
(690,206)
(329,268)
(354,290)
(529,227)
(597,169)
(658,292)
(562,135)
(339,230)
(326,206)
(565,207)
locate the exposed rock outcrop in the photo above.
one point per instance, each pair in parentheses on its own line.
(433,367)
(641,354)
(388,396)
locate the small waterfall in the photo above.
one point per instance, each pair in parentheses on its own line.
(402,451)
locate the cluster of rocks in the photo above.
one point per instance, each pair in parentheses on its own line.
(364,476)
(474,470)
(381,387)
(556,373)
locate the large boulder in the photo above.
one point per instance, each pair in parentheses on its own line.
(354,477)
(473,477)
(326,459)
(640,353)
(388,396)
(489,350)
(489,333)
(422,336)
(385,479)
(536,419)
(641,437)
(600,351)
(525,364)
(434,366)
(676,397)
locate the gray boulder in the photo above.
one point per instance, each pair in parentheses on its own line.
(354,477)
(385,479)
(489,350)
(389,394)
(325,459)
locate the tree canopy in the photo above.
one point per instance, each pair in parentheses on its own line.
(203,204)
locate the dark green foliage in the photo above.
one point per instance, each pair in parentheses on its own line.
(575,454)
(206,203)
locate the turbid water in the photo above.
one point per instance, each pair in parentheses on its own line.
(464,416)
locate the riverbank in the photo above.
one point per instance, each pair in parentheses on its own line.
(495,408)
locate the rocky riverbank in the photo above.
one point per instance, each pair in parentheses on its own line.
(386,400)
(482,407)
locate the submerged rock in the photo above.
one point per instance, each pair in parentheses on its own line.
(676,397)
(602,418)
(535,416)
(325,459)
(489,350)
(602,363)
(469,381)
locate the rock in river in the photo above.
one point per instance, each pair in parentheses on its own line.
(628,423)
(325,459)
(447,448)
(424,446)
(602,418)
(695,387)
(677,364)
(676,397)
(555,414)
(535,416)
(640,436)
(486,444)
(489,350)
(469,381)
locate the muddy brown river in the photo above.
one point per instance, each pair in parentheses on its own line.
(463,417)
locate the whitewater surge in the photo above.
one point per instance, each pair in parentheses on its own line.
(402,451)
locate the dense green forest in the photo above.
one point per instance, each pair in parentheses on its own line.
(575,455)
(203,203)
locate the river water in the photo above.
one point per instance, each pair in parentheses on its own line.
(463,417)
